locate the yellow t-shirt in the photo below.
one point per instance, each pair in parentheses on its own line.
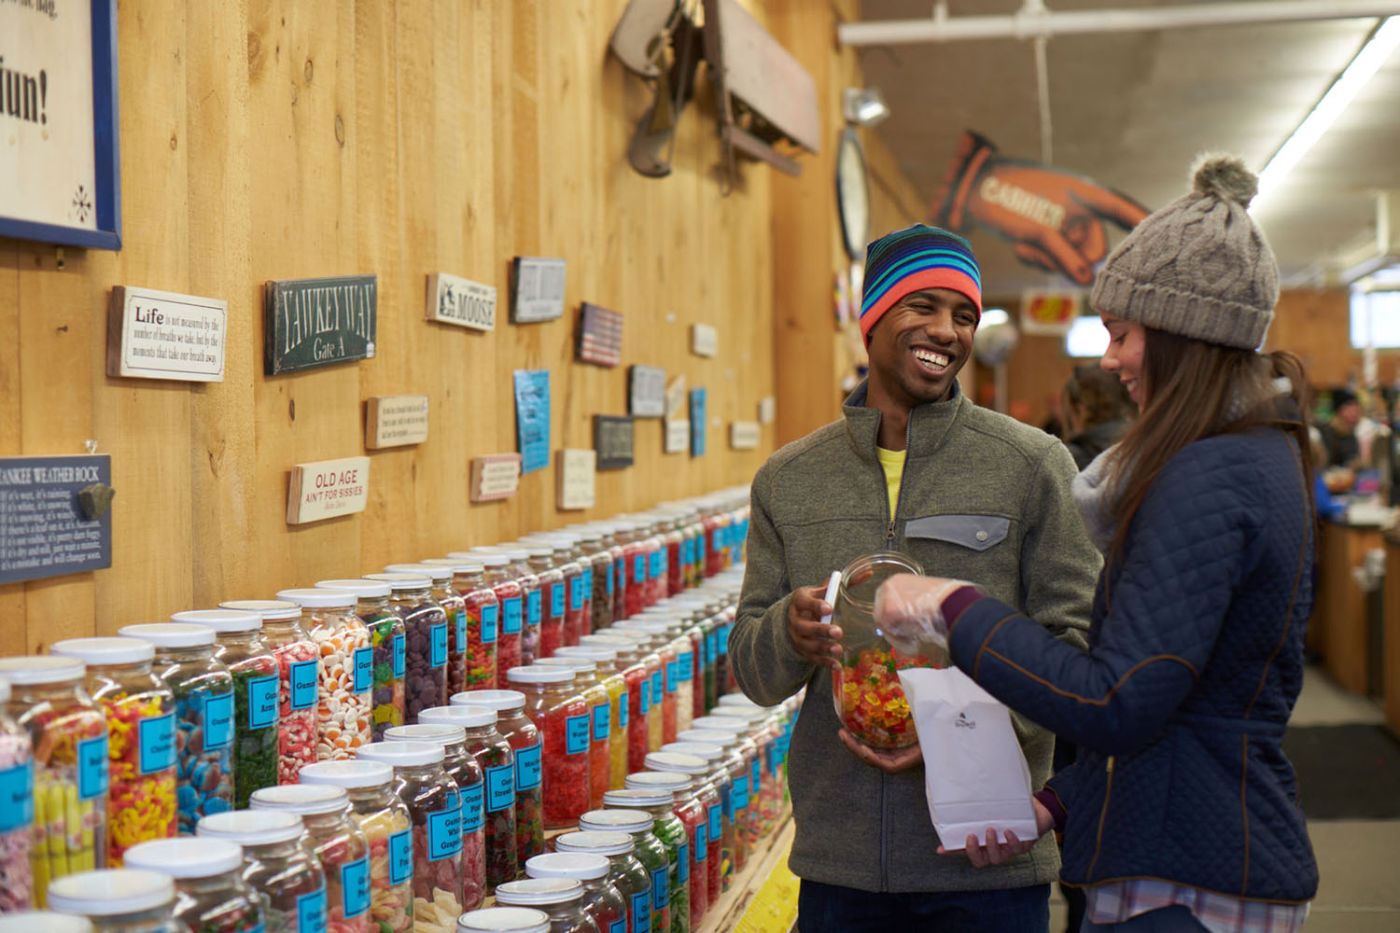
(892,462)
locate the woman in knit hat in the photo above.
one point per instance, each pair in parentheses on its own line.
(1180,812)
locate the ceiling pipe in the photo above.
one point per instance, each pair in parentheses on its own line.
(1033,20)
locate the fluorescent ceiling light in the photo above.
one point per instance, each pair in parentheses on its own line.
(994,316)
(1087,338)
(1352,79)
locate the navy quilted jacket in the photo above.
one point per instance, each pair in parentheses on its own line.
(1180,703)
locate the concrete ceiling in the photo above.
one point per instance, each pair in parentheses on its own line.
(1132,110)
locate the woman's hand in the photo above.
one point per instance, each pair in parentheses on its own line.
(890,762)
(991,852)
(909,610)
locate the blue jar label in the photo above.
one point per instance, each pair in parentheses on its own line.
(445,830)
(533,609)
(639,568)
(401,858)
(618,926)
(644,699)
(576,735)
(641,912)
(92,767)
(683,862)
(400,656)
(622,710)
(576,593)
(756,772)
(701,837)
(610,580)
(673,676)
(437,645)
(601,722)
(658,565)
(687,667)
(218,720)
(711,647)
(156,735)
(660,887)
(500,788)
(510,616)
(488,624)
(459,634)
(556,600)
(354,888)
(262,702)
(311,912)
(716,826)
(16,797)
(656,689)
(364,669)
(588,584)
(302,683)
(741,793)
(724,640)
(527,768)
(472,797)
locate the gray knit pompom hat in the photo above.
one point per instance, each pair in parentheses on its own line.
(1198,267)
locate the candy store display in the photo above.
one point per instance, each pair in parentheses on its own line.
(386,640)
(656,659)
(560,713)
(549,594)
(526,743)
(345,680)
(610,675)
(504,920)
(714,782)
(666,683)
(17,814)
(687,808)
(68,741)
(427,636)
(256,705)
(648,850)
(453,599)
(602,901)
(119,900)
(483,618)
(337,842)
(208,873)
(632,662)
(595,697)
(495,817)
(496,574)
(286,876)
(625,873)
(435,811)
(140,711)
(571,574)
(204,713)
(593,544)
(617,550)
(668,828)
(520,569)
(383,817)
(560,898)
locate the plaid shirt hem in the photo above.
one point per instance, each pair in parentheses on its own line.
(1119,901)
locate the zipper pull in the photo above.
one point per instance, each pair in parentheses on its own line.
(1110,763)
(889,536)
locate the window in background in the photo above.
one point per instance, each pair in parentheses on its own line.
(1087,337)
(1375,315)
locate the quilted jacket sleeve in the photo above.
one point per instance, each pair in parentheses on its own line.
(1186,552)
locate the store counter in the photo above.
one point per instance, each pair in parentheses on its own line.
(1390,633)
(1339,628)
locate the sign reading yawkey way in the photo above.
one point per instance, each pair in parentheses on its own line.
(318,322)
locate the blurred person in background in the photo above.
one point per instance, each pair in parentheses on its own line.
(1339,435)
(1097,413)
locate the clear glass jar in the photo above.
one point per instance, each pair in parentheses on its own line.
(708,845)
(43,921)
(687,807)
(483,622)
(140,711)
(210,893)
(610,676)
(709,629)
(549,598)
(617,550)
(488,808)
(298,674)
(634,661)
(119,900)
(661,728)
(693,668)
(667,830)
(625,872)
(530,594)
(337,842)
(435,810)
(528,748)
(468,779)
(239,648)
(600,575)
(69,735)
(17,818)
(387,642)
(602,901)
(454,603)
(204,716)
(560,713)
(276,864)
(561,898)
(577,584)
(497,575)
(384,819)
(595,696)
(504,920)
(716,787)
(634,553)
(648,851)
(426,627)
(345,682)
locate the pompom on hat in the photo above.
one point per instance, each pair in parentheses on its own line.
(1199,267)
(914,259)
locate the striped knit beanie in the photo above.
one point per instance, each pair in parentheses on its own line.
(911,260)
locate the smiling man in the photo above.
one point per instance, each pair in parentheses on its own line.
(914,467)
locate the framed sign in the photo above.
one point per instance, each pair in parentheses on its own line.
(162,335)
(319,322)
(646,391)
(45,530)
(744,435)
(58,122)
(395,421)
(613,439)
(461,302)
(577,479)
(599,336)
(495,476)
(532,418)
(327,489)
(536,290)
(704,340)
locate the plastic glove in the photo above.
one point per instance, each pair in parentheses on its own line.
(909,611)
(1054,217)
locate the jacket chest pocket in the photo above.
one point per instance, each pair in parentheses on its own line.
(974,532)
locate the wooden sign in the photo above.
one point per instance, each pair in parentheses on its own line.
(532,418)
(704,340)
(44,529)
(677,398)
(319,322)
(697,422)
(496,476)
(536,290)
(396,421)
(577,473)
(327,489)
(461,302)
(646,391)
(613,439)
(744,435)
(677,435)
(599,336)
(767,409)
(162,335)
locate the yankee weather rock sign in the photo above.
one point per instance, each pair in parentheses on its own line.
(319,322)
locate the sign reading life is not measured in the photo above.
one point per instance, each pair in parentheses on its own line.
(319,322)
(327,489)
(577,473)
(396,421)
(162,335)
(536,289)
(43,530)
(647,391)
(453,300)
(613,439)
(495,476)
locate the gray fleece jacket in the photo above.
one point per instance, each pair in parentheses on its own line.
(983,498)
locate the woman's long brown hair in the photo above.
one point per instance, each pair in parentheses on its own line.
(1197,390)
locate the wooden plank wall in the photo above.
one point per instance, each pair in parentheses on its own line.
(264,139)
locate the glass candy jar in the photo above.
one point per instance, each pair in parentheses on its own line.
(426,628)
(298,673)
(210,893)
(338,844)
(453,597)
(119,900)
(345,683)
(17,816)
(588,685)
(43,921)
(659,803)
(503,920)
(704,763)
(610,675)
(386,641)
(560,712)
(528,778)
(689,809)
(550,595)
(494,815)
(625,873)
(276,865)
(649,852)
(602,901)
(511,598)
(560,898)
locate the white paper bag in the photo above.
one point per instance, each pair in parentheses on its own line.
(974,772)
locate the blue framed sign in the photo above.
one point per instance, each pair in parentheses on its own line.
(58,69)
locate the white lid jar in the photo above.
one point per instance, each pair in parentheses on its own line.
(118,900)
(43,921)
(208,873)
(504,920)
(601,898)
(338,841)
(276,863)
(561,898)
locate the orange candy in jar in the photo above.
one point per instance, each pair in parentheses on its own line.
(344,687)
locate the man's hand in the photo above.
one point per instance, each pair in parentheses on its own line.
(818,642)
(890,762)
(992,852)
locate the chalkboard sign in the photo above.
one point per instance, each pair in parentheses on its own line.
(536,290)
(319,322)
(43,531)
(613,440)
(646,391)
